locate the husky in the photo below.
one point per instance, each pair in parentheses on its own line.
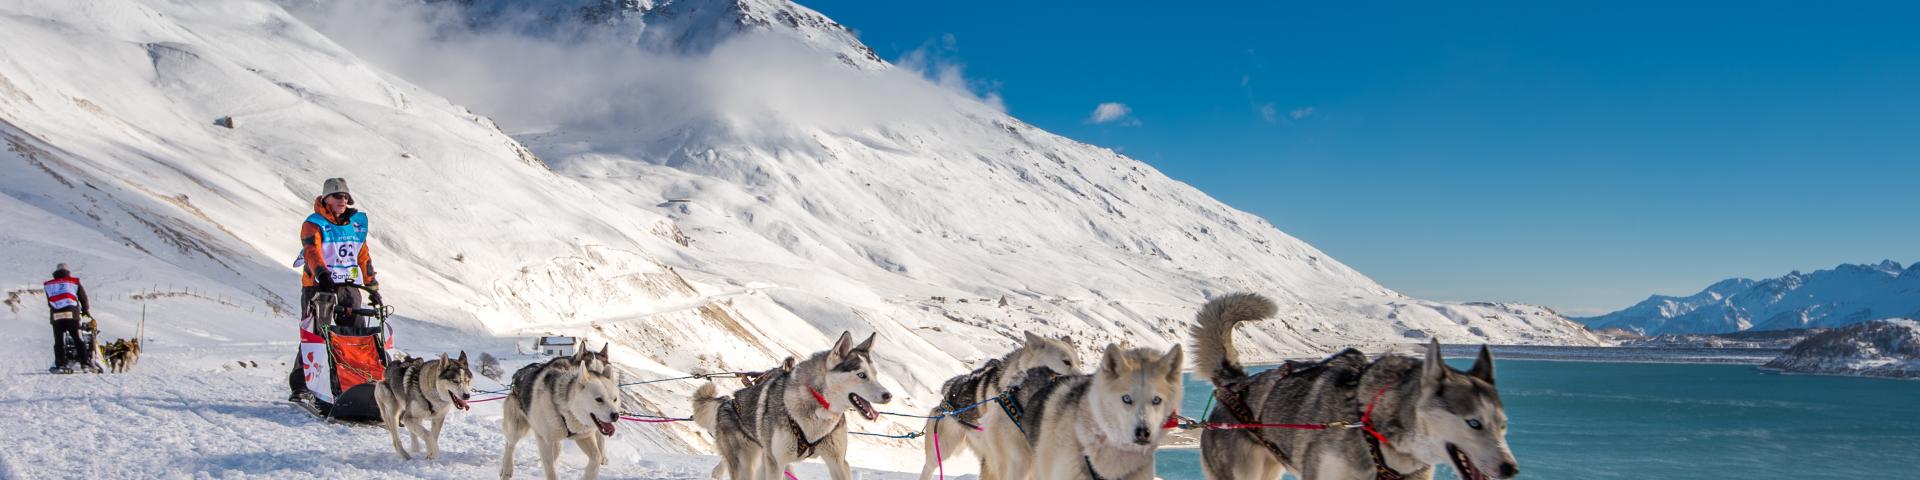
(122,354)
(416,391)
(575,398)
(1423,411)
(987,426)
(1104,425)
(793,415)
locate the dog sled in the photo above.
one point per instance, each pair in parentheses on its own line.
(343,352)
(83,357)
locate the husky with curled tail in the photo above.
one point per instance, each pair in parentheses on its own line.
(569,398)
(1423,411)
(986,428)
(793,415)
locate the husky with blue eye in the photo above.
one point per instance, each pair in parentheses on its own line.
(1105,425)
(1422,411)
(568,398)
(987,429)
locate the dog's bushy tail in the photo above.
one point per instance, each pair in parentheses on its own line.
(706,406)
(1214,358)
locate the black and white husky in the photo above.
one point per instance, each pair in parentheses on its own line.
(569,398)
(417,391)
(987,428)
(1424,412)
(793,415)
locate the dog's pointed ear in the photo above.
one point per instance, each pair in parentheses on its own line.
(1113,361)
(866,346)
(1434,368)
(1483,365)
(1034,340)
(603,350)
(1172,361)
(840,349)
(463,357)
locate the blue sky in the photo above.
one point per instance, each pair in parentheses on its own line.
(1576,156)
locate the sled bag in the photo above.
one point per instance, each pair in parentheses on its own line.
(356,360)
(316,365)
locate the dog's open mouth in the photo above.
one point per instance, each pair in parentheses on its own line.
(459,403)
(606,428)
(1463,465)
(866,409)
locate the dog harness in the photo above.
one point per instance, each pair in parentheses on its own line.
(733,407)
(1237,407)
(1374,438)
(1090,472)
(962,390)
(803,447)
(1010,403)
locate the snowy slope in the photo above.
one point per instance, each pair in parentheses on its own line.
(1879,348)
(759,223)
(116,167)
(879,191)
(1842,296)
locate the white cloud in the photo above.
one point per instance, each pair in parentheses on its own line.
(938,60)
(1113,112)
(587,82)
(1302,112)
(1269,113)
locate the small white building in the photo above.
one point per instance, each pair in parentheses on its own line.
(557,346)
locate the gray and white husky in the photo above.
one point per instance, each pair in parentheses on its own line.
(793,415)
(575,398)
(1427,412)
(987,428)
(417,391)
(1105,425)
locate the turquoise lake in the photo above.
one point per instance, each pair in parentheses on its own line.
(1598,420)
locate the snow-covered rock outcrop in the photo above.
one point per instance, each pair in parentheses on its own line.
(1880,348)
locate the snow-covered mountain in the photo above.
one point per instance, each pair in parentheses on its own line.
(1879,348)
(1845,295)
(755,181)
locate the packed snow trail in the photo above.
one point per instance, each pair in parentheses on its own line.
(202,409)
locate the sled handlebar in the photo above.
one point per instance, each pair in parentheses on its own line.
(382,311)
(378,310)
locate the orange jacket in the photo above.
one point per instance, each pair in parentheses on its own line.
(310,246)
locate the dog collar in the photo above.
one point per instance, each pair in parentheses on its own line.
(817,397)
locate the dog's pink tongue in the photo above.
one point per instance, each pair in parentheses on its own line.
(605,428)
(460,404)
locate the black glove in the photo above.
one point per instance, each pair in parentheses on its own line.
(374,297)
(323,278)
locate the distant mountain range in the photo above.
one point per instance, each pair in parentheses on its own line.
(1846,295)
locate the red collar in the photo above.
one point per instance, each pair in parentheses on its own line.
(817,397)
